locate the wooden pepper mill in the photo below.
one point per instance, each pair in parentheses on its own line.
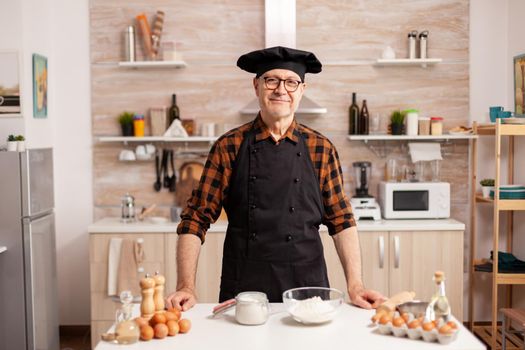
(158,296)
(147,306)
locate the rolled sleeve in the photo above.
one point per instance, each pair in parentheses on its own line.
(338,212)
(205,205)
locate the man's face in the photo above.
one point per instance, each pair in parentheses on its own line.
(278,102)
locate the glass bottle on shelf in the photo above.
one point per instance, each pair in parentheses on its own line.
(364,119)
(353,117)
(173,112)
(126,329)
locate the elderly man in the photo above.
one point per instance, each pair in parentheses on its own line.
(277,181)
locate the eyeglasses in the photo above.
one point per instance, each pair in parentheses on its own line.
(290,85)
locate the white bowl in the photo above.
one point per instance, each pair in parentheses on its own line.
(313,305)
(158,220)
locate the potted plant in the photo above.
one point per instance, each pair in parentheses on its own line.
(126,123)
(397,120)
(486,186)
(20,143)
(11,143)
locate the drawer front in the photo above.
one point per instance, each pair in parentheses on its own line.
(153,245)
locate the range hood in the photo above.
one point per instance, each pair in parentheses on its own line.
(280,29)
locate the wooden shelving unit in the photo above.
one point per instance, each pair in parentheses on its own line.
(492,334)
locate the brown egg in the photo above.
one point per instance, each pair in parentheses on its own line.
(170,316)
(428,326)
(161,330)
(405,316)
(398,322)
(157,318)
(452,324)
(446,329)
(385,319)
(176,312)
(146,332)
(173,328)
(140,321)
(414,324)
(377,317)
(184,325)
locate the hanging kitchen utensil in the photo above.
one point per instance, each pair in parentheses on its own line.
(166,177)
(173,178)
(157,185)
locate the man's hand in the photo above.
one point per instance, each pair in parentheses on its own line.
(183,299)
(365,298)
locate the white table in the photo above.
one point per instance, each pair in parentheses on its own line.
(351,329)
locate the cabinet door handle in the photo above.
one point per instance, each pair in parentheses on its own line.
(396,252)
(381,252)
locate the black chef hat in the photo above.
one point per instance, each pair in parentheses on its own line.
(279,57)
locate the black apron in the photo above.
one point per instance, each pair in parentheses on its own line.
(274,210)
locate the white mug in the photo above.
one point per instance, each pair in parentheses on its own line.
(126,154)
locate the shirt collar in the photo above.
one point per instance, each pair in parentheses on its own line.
(262,132)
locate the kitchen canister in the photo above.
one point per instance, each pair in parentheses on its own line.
(424,126)
(411,120)
(251,308)
(423,40)
(436,125)
(129,43)
(412,37)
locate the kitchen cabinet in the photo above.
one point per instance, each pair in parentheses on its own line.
(420,253)
(103,307)
(394,261)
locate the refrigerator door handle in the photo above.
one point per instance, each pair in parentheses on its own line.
(28,276)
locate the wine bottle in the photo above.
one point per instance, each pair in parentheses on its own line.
(353,117)
(364,119)
(173,112)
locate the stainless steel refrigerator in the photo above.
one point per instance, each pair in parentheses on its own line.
(28,277)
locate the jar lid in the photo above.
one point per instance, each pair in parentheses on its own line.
(436,118)
(411,110)
(251,297)
(424,118)
(138,116)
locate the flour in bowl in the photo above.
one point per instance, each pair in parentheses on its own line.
(313,310)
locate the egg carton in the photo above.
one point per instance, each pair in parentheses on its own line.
(418,329)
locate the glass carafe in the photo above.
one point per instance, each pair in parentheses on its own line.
(126,330)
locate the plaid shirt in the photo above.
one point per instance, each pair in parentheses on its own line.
(205,204)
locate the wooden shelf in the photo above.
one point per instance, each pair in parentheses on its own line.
(481,199)
(511,204)
(388,137)
(423,62)
(485,333)
(152,64)
(506,278)
(127,139)
(505,129)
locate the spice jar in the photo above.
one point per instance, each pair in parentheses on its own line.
(251,308)
(424,126)
(138,125)
(436,125)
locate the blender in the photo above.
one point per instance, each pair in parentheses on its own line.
(364,206)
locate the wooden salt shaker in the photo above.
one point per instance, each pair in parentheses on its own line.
(158,296)
(147,306)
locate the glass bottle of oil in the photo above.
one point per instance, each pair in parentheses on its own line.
(126,330)
(440,301)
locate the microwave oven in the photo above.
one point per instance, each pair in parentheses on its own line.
(414,200)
